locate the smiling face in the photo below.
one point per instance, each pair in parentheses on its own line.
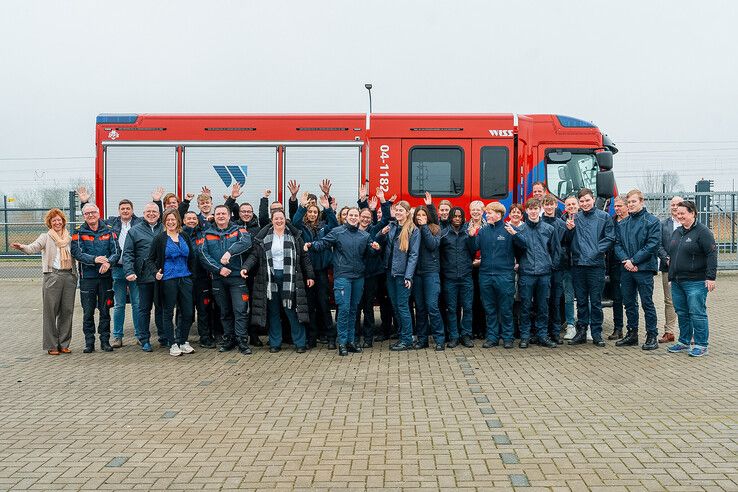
(171,223)
(205,205)
(352,217)
(457,219)
(685,217)
(621,209)
(549,209)
(343,214)
(365,218)
(443,211)
(91,214)
(57,223)
(673,205)
(635,204)
(191,220)
(222,217)
(572,205)
(534,213)
(278,220)
(171,202)
(516,216)
(151,213)
(475,210)
(538,191)
(246,213)
(401,214)
(586,202)
(312,214)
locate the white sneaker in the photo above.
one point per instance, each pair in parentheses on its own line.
(589,334)
(186,348)
(570,332)
(174,350)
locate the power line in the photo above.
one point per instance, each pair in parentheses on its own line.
(675,150)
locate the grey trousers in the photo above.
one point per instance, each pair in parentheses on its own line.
(58,293)
(669,313)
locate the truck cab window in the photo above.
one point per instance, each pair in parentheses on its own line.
(439,170)
(493,172)
(565,178)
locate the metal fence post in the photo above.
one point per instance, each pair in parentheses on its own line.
(72,209)
(7,240)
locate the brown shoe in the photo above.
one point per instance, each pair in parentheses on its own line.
(117,343)
(53,352)
(65,350)
(666,338)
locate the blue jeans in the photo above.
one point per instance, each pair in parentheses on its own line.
(120,285)
(459,293)
(275,324)
(426,290)
(568,297)
(400,297)
(498,294)
(148,297)
(690,299)
(347,293)
(632,285)
(534,287)
(589,281)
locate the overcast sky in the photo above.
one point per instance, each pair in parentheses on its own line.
(661,78)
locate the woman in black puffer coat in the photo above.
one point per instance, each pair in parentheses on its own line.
(283,272)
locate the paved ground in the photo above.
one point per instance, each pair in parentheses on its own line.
(569,418)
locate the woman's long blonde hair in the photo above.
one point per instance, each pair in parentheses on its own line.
(407,227)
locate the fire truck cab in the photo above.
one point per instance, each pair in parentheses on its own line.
(459,157)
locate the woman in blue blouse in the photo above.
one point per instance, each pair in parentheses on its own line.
(173,258)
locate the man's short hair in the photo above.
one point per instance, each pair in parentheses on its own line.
(125,201)
(204,197)
(584,192)
(222,206)
(635,192)
(538,183)
(532,203)
(549,200)
(620,198)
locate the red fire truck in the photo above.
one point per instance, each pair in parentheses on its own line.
(460,157)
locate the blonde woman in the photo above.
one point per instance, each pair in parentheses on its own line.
(400,259)
(60,281)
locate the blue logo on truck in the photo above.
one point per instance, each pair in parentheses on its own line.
(228,174)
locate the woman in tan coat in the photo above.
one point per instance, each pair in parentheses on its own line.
(60,281)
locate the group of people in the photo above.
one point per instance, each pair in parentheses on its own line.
(437,276)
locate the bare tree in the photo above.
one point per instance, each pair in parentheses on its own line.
(659,182)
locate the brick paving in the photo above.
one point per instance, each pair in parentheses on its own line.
(571,418)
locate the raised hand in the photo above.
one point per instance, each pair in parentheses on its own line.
(294,188)
(206,191)
(236,190)
(393,198)
(267,192)
(363,192)
(324,202)
(304,199)
(157,194)
(84,195)
(380,194)
(325,186)
(428,198)
(373,203)
(189,196)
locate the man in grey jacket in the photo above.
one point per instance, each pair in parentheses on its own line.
(136,268)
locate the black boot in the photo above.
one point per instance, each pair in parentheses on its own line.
(105,346)
(546,342)
(617,334)
(256,341)
(630,339)
(652,343)
(342,351)
(228,343)
(243,346)
(580,337)
(354,349)
(331,344)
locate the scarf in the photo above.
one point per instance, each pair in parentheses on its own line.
(62,242)
(288,280)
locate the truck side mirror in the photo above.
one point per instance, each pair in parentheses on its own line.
(605,184)
(604,160)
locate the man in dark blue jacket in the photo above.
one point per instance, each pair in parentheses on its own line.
(636,249)
(95,247)
(497,275)
(668,226)
(557,268)
(221,251)
(457,254)
(137,269)
(541,252)
(589,235)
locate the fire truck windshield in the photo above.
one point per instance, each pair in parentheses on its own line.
(565,178)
